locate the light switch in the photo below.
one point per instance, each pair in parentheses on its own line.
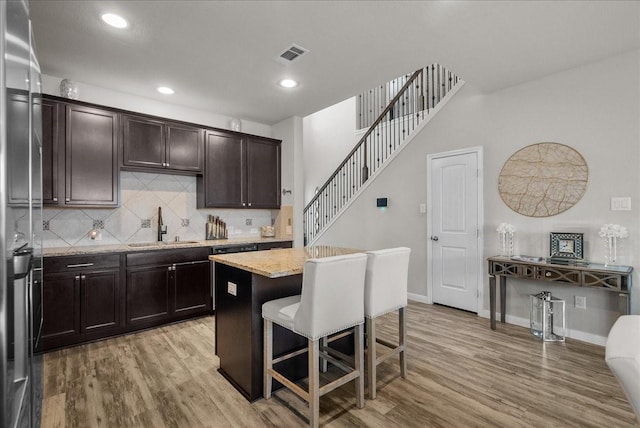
(621,204)
(232,288)
(423,208)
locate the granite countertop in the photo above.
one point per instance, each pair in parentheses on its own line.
(281,262)
(126,248)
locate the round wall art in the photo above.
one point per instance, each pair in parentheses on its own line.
(544,179)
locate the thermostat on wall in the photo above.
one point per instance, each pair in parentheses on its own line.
(381,202)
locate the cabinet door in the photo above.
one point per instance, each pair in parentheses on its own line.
(263,173)
(184,148)
(224,177)
(192,288)
(51,124)
(18,147)
(91,153)
(148,295)
(100,293)
(143,142)
(60,309)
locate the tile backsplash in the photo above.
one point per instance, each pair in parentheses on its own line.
(140,196)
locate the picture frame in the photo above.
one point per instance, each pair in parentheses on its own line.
(566,246)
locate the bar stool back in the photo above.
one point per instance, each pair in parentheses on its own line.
(385,291)
(331,301)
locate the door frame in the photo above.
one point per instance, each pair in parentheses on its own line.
(478,150)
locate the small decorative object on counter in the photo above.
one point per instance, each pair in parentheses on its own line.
(506,231)
(216,228)
(69,89)
(611,233)
(268,231)
(547,317)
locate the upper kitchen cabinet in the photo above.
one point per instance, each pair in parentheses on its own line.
(240,171)
(79,155)
(263,173)
(91,157)
(52,116)
(161,146)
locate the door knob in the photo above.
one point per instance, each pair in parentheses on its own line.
(434,238)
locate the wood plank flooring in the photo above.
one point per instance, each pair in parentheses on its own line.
(461,374)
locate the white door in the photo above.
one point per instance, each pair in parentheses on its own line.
(454,230)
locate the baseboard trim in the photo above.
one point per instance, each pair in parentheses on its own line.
(419,298)
(573,334)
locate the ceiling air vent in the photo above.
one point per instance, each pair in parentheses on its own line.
(291,54)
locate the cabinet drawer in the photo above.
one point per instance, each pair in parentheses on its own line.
(81,263)
(559,275)
(169,257)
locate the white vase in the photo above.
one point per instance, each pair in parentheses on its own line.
(506,243)
(611,250)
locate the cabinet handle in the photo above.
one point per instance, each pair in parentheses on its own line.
(77,278)
(67,200)
(167,165)
(83,277)
(55,199)
(249,203)
(244,205)
(80,265)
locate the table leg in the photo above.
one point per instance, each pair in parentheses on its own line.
(492,301)
(503,299)
(623,303)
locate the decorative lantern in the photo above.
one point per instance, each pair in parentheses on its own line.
(547,317)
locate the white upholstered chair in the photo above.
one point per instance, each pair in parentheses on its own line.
(385,291)
(331,301)
(623,357)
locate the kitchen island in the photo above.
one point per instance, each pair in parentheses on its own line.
(244,281)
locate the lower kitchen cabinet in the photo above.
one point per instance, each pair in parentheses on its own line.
(168,285)
(81,299)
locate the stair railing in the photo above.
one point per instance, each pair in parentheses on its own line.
(422,91)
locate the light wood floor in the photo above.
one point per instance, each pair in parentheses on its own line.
(461,374)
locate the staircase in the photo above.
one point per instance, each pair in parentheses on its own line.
(397,121)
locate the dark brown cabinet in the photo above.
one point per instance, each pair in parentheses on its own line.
(91,157)
(51,120)
(274,245)
(167,285)
(155,144)
(79,155)
(81,299)
(240,171)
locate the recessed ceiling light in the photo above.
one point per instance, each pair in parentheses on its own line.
(165,90)
(115,20)
(288,83)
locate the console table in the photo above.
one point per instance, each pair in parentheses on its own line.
(611,278)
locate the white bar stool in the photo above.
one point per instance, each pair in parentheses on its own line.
(331,301)
(622,354)
(385,291)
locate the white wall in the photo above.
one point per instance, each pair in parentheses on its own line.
(329,135)
(115,99)
(594,109)
(290,132)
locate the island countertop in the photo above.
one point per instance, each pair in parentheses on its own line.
(281,262)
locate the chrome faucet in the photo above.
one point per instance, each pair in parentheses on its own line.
(162,229)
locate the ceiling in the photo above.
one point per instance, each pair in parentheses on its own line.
(219,55)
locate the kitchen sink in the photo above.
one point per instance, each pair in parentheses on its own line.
(156,244)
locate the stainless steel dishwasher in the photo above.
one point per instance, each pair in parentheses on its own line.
(226,249)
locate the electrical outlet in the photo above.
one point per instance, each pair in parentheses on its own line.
(581,302)
(248,222)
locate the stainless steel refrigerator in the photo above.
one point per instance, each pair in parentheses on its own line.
(20,220)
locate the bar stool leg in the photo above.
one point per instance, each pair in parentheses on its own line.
(314,383)
(324,364)
(359,364)
(403,343)
(371,356)
(268,358)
